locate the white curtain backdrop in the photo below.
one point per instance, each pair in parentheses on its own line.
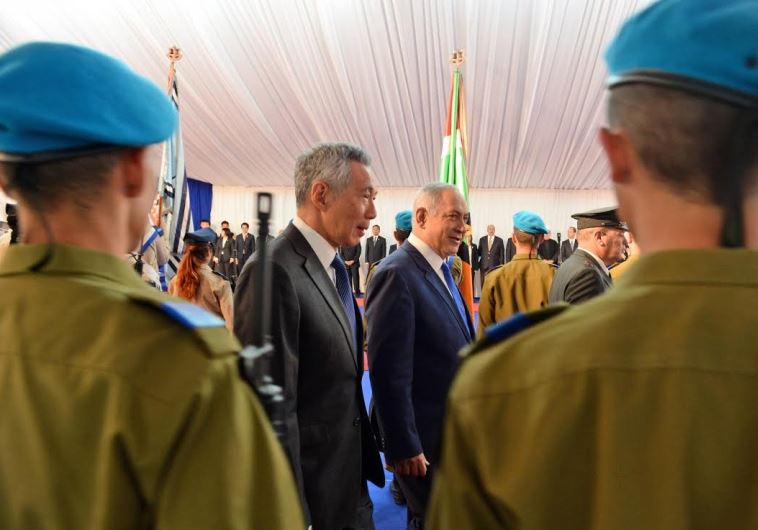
(488,206)
(263,80)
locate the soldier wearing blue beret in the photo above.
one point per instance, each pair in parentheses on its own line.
(636,409)
(523,283)
(120,407)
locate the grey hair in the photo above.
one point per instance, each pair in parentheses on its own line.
(430,196)
(329,163)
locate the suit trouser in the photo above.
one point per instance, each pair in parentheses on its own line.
(417,491)
(364,516)
(356,274)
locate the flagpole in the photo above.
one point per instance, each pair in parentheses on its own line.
(174,55)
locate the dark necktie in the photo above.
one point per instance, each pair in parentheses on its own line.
(346,295)
(456,295)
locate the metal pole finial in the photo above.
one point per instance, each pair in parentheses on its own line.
(457,58)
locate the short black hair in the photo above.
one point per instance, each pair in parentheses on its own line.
(205,221)
(245,224)
(224,223)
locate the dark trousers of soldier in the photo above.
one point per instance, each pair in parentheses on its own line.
(355,273)
(417,491)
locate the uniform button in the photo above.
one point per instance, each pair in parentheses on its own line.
(357,421)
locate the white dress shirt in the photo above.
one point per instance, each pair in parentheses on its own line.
(434,259)
(321,247)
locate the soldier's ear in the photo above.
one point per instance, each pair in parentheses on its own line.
(619,152)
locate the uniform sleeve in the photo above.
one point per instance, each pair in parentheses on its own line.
(391,338)
(486,306)
(458,500)
(226,303)
(161,251)
(584,286)
(227,469)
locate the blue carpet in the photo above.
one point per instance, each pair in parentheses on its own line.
(387,514)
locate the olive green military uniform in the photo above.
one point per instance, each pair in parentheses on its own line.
(121,408)
(634,410)
(214,294)
(522,284)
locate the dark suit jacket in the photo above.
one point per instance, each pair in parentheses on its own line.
(510,250)
(245,247)
(491,257)
(567,249)
(375,252)
(330,442)
(351,253)
(224,249)
(578,279)
(414,336)
(393,248)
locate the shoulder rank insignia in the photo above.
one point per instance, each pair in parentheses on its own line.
(189,315)
(513,326)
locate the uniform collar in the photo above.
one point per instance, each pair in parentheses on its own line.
(523,256)
(597,260)
(66,259)
(713,266)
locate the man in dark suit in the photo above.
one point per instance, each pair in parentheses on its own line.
(245,245)
(317,335)
(570,245)
(491,252)
(417,324)
(376,246)
(585,274)
(351,256)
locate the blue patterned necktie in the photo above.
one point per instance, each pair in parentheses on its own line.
(346,294)
(456,295)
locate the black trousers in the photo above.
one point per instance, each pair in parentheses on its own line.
(364,516)
(356,274)
(417,491)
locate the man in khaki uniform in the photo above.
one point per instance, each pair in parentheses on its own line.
(637,409)
(523,283)
(120,407)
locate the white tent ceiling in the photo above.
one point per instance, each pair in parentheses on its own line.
(261,80)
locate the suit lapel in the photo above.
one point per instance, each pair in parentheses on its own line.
(440,288)
(322,282)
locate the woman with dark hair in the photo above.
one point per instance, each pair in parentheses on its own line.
(197,283)
(224,253)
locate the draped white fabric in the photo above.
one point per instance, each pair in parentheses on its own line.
(237,205)
(263,80)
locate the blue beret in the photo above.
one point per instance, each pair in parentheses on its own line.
(529,222)
(708,47)
(59,97)
(204,235)
(403,220)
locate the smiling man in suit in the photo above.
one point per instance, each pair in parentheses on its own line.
(376,246)
(318,335)
(417,323)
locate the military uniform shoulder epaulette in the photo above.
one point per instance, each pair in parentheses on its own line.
(209,328)
(514,325)
(493,269)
